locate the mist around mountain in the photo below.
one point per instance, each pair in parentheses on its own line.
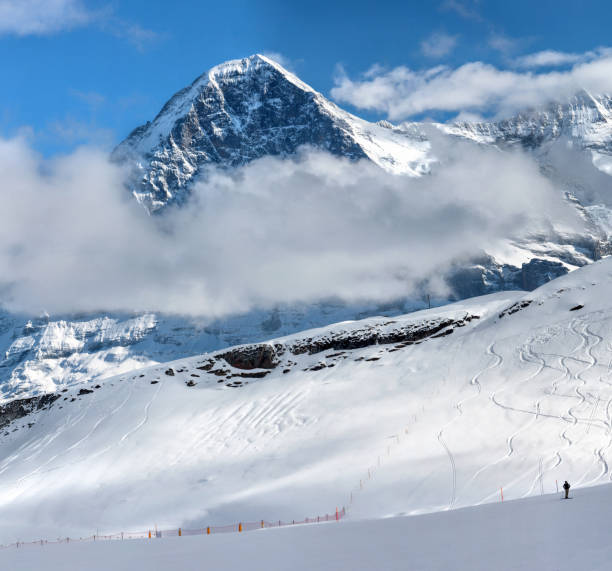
(274,210)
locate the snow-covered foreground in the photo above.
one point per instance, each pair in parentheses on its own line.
(536,533)
(518,401)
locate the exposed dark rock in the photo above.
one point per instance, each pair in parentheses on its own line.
(262,356)
(318,367)
(357,339)
(170,372)
(154,382)
(220,372)
(577,307)
(20,408)
(516,307)
(257,375)
(85,392)
(190,383)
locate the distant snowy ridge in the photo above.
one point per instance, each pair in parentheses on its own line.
(584,118)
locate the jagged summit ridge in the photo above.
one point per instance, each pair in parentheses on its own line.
(585,118)
(245,109)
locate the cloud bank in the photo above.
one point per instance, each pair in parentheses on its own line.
(476,86)
(276,231)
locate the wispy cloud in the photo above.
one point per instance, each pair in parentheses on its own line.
(72,132)
(438,44)
(475,87)
(141,38)
(279,58)
(466,9)
(45,17)
(553,58)
(91,98)
(505,44)
(40,17)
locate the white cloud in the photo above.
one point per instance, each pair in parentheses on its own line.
(467,9)
(279,58)
(552,58)
(42,17)
(303,229)
(504,44)
(438,45)
(35,17)
(475,87)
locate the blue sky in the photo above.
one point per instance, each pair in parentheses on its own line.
(88,71)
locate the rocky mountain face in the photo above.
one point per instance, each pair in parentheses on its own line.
(246,109)
(585,119)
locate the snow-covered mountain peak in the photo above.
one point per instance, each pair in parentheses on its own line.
(245,109)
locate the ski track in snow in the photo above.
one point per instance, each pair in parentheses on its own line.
(475,381)
(145,418)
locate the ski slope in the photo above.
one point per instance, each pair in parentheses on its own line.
(536,533)
(514,402)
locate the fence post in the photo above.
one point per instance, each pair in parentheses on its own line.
(208,530)
(240,527)
(262,524)
(501,490)
(337,516)
(149,534)
(557,484)
(180,532)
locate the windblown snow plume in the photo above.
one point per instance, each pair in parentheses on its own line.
(277,230)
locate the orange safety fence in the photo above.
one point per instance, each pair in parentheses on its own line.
(179,532)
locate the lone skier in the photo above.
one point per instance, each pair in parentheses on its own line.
(566,487)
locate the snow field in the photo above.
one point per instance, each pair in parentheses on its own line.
(514,402)
(537,533)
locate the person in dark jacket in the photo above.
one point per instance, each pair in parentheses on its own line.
(566,487)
